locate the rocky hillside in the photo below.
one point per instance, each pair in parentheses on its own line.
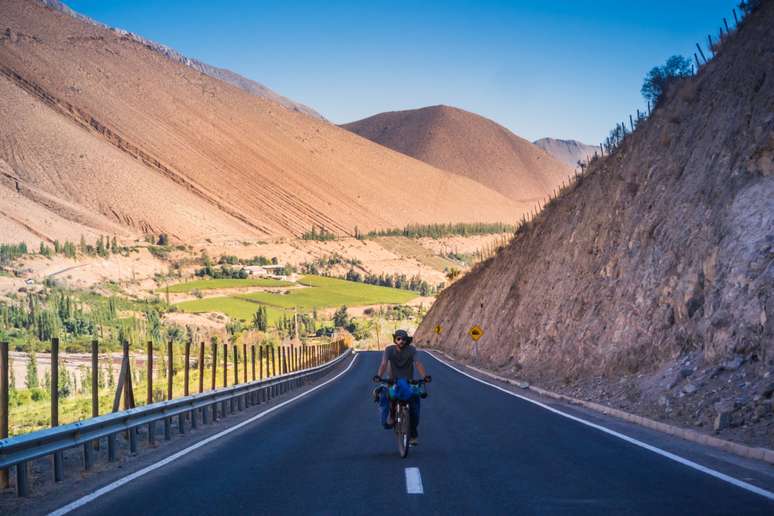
(567,151)
(468,145)
(100,129)
(649,285)
(248,85)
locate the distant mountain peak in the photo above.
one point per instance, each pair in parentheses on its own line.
(568,151)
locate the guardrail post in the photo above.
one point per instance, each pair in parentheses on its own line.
(133,440)
(111,448)
(22,480)
(204,415)
(214,366)
(181,422)
(58,457)
(4,390)
(167,429)
(88,460)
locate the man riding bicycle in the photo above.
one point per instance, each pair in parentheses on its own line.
(401,357)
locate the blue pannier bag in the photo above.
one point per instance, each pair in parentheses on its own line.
(401,390)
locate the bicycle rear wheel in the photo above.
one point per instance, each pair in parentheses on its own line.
(402,428)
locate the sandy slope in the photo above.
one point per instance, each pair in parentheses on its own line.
(246,164)
(468,145)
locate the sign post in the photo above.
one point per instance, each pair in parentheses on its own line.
(475,333)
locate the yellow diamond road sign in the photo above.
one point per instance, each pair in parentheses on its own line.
(438,329)
(476,332)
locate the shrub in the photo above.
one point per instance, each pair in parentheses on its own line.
(659,77)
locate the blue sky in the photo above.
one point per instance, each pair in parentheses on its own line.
(567,69)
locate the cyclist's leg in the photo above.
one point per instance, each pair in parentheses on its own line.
(384,406)
(414,415)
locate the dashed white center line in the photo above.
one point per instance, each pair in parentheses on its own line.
(414,481)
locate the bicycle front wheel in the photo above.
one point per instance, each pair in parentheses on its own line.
(402,429)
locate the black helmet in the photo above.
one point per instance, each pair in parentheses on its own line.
(404,334)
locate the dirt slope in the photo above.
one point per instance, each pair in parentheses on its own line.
(157,146)
(469,145)
(650,285)
(248,85)
(567,151)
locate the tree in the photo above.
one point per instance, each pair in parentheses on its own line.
(340,318)
(31,379)
(659,77)
(260,319)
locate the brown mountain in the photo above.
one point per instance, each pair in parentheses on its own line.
(468,145)
(567,151)
(248,85)
(102,130)
(649,284)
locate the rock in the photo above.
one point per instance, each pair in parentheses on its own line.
(766,390)
(689,389)
(663,401)
(723,420)
(522,385)
(733,364)
(763,409)
(685,372)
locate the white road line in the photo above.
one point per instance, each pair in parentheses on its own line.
(414,481)
(663,453)
(144,471)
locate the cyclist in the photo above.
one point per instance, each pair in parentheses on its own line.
(401,357)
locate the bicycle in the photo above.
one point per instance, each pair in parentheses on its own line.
(402,415)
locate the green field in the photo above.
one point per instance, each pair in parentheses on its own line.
(208,284)
(231,306)
(321,292)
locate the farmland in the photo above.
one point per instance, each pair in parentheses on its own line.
(210,284)
(312,292)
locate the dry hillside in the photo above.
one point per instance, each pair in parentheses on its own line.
(650,284)
(248,85)
(468,145)
(101,129)
(567,151)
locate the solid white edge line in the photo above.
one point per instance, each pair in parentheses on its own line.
(144,471)
(414,481)
(686,462)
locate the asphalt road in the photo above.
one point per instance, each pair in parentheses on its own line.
(481,452)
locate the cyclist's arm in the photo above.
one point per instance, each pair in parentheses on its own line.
(382,366)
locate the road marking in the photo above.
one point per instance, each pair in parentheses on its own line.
(144,471)
(414,481)
(686,462)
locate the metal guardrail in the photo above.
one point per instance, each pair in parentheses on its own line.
(19,450)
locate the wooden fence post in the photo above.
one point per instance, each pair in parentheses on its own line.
(4,390)
(201,366)
(244,361)
(94,378)
(252,358)
(187,373)
(701,53)
(225,365)
(273,370)
(58,456)
(236,364)
(170,369)
(149,372)
(214,363)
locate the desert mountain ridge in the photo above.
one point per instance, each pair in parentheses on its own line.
(468,145)
(102,132)
(567,151)
(248,85)
(648,285)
